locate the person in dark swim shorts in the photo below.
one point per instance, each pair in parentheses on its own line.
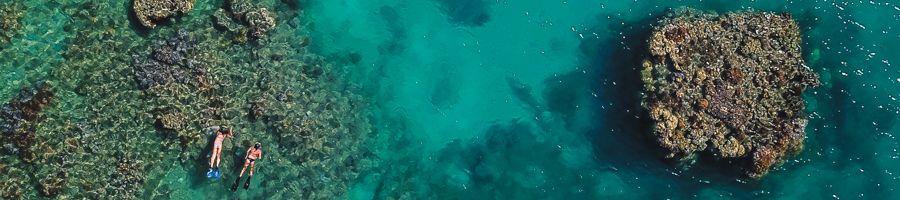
(253,153)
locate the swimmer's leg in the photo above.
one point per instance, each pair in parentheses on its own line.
(217,154)
(247,184)
(212,159)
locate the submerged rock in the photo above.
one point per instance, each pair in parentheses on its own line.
(53,184)
(728,85)
(168,61)
(245,19)
(128,179)
(10,16)
(17,119)
(149,12)
(260,21)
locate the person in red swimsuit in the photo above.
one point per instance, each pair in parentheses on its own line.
(221,135)
(253,153)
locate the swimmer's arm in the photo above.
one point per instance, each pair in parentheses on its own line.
(247,155)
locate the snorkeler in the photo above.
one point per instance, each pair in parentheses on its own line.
(216,157)
(253,153)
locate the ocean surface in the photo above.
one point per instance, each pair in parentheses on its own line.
(526,99)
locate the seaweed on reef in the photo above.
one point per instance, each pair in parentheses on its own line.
(13,188)
(19,116)
(128,178)
(743,103)
(169,61)
(19,119)
(52,185)
(159,91)
(100,115)
(11,13)
(245,20)
(149,12)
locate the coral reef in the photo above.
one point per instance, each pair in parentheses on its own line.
(729,85)
(255,20)
(18,121)
(19,117)
(149,12)
(128,179)
(52,185)
(10,16)
(13,188)
(159,91)
(260,21)
(168,62)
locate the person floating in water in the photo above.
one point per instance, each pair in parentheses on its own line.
(253,153)
(221,134)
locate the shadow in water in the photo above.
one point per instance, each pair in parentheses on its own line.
(614,76)
(393,19)
(471,13)
(133,21)
(565,93)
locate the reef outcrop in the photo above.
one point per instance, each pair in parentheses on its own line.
(128,179)
(148,12)
(168,61)
(245,19)
(728,85)
(260,21)
(164,72)
(18,121)
(121,99)
(17,118)
(10,16)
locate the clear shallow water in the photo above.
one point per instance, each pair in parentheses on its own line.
(533,99)
(537,99)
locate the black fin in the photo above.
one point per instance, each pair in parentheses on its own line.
(247,184)
(235,185)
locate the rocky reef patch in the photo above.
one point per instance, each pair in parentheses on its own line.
(19,119)
(244,19)
(149,12)
(167,62)
(11,13)
(138,106)
(728,86)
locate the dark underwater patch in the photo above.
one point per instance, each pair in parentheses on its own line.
(445,93)
(565,93)
(505,159)
(471,13)
(392,20)
(522,92)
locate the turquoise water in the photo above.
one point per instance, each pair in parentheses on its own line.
(538,99)
(466,99)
